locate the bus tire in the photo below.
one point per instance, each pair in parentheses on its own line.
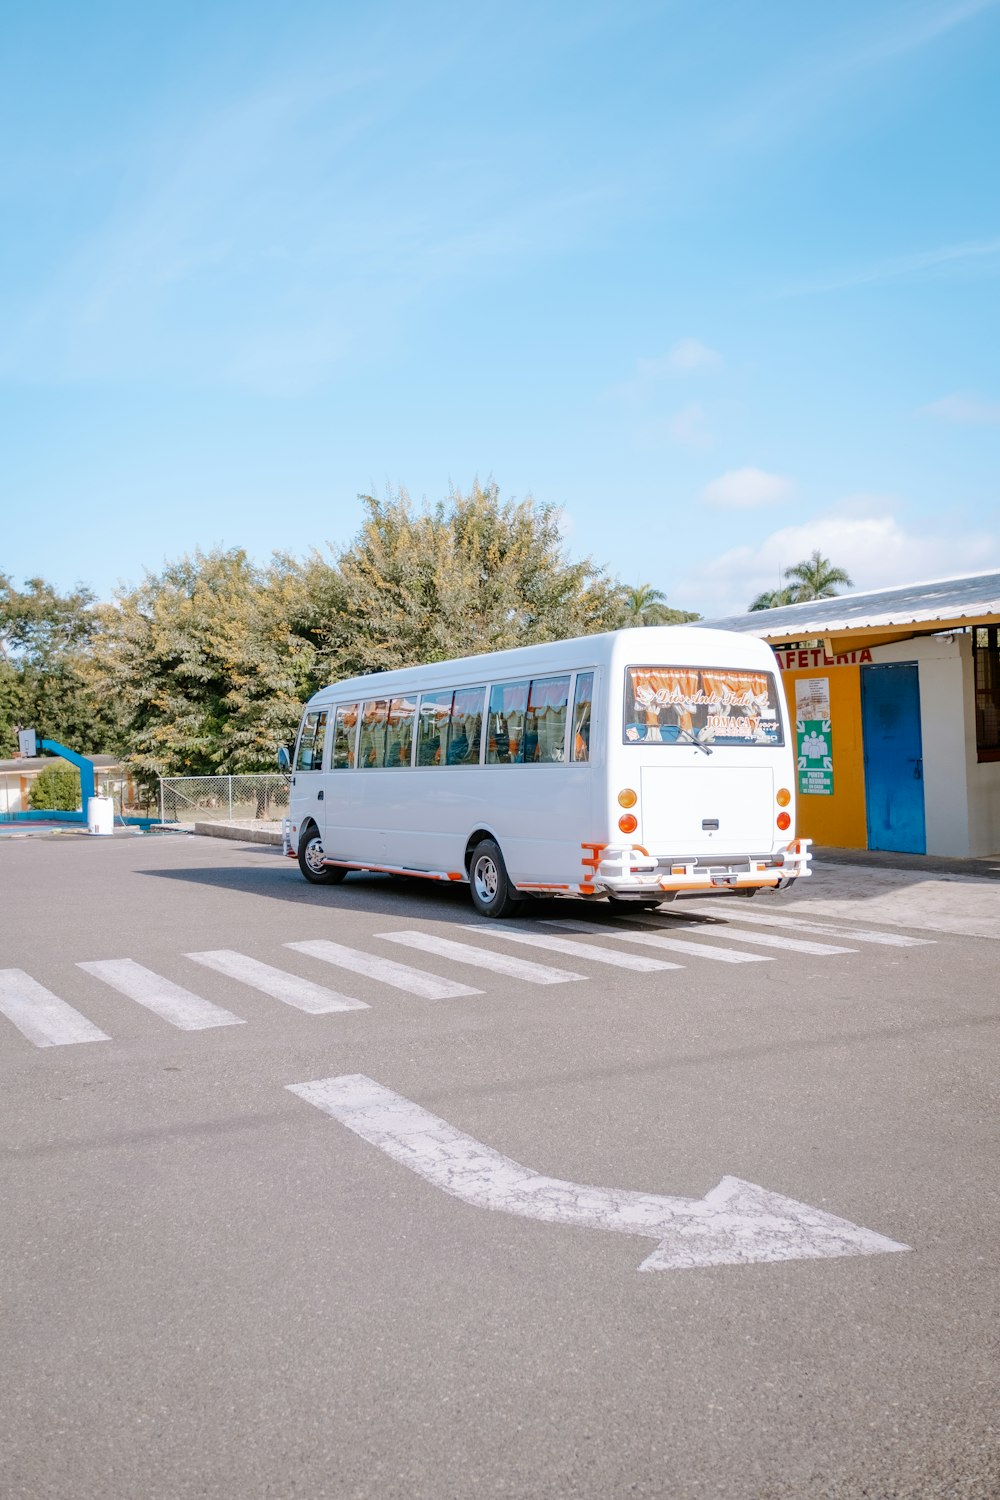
(492,893)
(311,859)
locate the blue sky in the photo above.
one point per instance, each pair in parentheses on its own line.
(719,280)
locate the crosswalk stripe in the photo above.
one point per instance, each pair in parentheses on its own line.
(656,940)
(164,998)
(385,970)
(481,958)
(303,994)
(572,949)
(767,939)
(796,924)
(41,1016)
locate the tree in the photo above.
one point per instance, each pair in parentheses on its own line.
(56,788)
(472,573)
(773,599)
(816,578)
(645,605)
(813,578)
(45,682)
(205,664)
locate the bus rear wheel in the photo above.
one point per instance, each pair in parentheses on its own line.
(492,893)
(311,859)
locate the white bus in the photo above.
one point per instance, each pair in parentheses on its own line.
(633,765)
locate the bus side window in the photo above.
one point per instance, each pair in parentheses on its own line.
(344,727)
(508,702)
(371,746)
(399,732)
(545,732)
(582,705)
(309,756)
(466,727)
(432,727)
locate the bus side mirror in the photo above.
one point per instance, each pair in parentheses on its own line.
(284,759)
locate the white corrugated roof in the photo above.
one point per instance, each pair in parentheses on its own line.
(969,597)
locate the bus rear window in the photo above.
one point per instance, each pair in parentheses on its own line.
(704,705)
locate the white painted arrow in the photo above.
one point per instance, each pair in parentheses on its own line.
(735,1224)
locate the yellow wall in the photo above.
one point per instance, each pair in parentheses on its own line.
(838,821)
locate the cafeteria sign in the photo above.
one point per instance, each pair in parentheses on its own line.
(813,736)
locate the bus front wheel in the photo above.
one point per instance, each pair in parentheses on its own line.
(311,859)
(492,893)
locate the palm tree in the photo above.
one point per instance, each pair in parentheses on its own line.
(645,605)
(816,578)
(774,598)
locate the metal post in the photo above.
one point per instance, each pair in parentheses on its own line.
(162,819)
(230,799)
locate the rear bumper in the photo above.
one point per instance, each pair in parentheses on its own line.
(635,871)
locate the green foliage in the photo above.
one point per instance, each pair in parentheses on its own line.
(45,679)
(816,578)
(208,672)
(472,573)
(773,599)
(645,605)
(56,788)
(813,578)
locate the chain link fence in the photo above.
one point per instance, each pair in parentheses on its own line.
(224,799)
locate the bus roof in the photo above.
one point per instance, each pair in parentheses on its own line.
(677,645)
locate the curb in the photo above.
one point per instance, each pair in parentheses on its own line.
(245,833)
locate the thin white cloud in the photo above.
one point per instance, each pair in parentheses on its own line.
(876,550)
(689,427)
(922,26)
(964,411)
(745,489)
(692,354)
(976,256)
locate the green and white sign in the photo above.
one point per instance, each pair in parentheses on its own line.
(814,736)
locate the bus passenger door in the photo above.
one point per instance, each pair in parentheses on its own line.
(307,773)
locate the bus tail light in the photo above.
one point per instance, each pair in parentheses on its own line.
(784,821)
(628,823)
(784,797)
(627,798)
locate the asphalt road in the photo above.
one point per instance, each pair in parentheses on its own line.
(213,1289)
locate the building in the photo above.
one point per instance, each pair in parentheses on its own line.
(17,775)
(896,700)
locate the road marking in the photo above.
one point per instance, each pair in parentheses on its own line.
(164,998)
(385,970)
(41,1016)
(481,958)
(573,949)
(735,1224)
(656,940)
(303,994)
(821,929)
(768,939)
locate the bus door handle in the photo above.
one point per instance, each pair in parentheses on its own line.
(918,770)
(319,795)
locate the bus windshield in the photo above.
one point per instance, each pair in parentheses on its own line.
(701,705)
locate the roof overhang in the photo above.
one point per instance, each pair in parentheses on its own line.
(849,622)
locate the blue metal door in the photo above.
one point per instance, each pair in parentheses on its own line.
(894,767)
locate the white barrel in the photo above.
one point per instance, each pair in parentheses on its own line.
(100,815)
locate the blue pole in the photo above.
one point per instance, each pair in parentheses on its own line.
(83,765)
